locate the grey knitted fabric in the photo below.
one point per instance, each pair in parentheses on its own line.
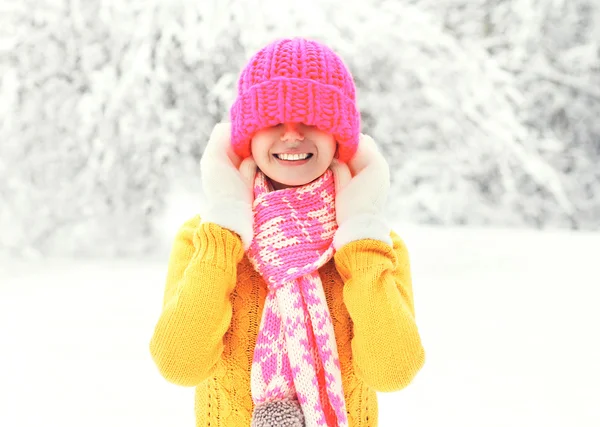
(280,413)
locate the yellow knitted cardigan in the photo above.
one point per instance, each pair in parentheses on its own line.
(212,307)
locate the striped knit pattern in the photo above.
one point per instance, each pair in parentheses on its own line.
(296,355)
(301,81)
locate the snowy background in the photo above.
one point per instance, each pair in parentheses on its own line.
(487,110)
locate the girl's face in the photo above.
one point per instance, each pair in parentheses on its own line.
(292,154)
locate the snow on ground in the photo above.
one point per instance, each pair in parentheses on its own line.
(508,320)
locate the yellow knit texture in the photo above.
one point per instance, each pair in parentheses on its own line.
(211,313)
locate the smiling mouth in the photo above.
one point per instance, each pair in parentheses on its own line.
(293,157)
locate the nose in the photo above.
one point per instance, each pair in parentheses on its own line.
(292,133)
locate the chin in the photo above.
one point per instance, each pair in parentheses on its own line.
(293,183)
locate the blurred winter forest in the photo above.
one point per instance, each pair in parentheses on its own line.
(487,110)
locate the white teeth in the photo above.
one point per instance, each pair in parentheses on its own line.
(283,156)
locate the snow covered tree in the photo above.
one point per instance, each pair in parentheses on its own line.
(552,48)
(485,109)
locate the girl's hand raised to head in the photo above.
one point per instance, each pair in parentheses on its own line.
(228,183)
(362,188)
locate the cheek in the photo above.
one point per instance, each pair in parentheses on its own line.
(328,151)
(257,150)
(260,153)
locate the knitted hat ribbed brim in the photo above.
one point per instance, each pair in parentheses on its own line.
(298,81)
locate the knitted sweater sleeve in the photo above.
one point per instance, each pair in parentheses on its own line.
(202,270)
(386,347)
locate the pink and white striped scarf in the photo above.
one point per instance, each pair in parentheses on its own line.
(296,357)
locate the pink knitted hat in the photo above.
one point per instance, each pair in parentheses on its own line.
(299,81)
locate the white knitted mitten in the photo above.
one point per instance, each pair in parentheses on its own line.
(362,188)
(228,184)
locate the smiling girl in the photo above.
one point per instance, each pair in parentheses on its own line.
(289,301)
(292,154)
